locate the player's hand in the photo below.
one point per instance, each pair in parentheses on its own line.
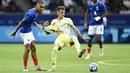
(40,26)
(97,18)
(46,23)
(85,26)
(87,38)
(13,34)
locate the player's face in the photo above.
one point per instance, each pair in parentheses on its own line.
(40,7)
(94,0)
(61,13)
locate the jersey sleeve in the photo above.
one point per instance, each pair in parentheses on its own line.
(88,8)
(30,16)
(70,22)
(51,27)
(103,7)
(52,22)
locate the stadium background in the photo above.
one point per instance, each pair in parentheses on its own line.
(116,29)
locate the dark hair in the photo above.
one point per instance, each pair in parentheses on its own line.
(60,7)
(40,2)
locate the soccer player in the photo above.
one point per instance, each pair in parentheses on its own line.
(26,34)
(94,18)
(61,27)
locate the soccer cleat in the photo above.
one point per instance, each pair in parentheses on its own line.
(39,68)
(101,52)
(52,69)
(81,53)
(88,56)
(25,69)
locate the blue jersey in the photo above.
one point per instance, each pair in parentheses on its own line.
(30,17)
(95,10)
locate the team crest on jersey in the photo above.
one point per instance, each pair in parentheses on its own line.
(97,8)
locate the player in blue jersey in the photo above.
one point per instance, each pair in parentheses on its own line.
(94,20)
(26,34)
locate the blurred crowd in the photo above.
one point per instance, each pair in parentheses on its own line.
(72,6)
(9,6)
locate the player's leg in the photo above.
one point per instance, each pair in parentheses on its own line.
(89,47)
(35,59)
(91,32)
(77,46)
(99,41)
(25,57)
(54,56)
(34,54)
(99,33)
(27,45)
(58,45)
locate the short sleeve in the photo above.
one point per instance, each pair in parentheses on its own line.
(103,7)
(88,9)
(51,26)
(52,22)
(70,22)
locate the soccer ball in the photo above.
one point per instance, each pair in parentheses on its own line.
(93,67)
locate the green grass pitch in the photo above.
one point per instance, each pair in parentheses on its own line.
(115,60)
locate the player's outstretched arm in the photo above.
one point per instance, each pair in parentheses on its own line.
(21,23)
(45,24)
(78,33)
(39,25)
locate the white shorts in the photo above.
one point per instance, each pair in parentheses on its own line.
(27,37)
(96,29)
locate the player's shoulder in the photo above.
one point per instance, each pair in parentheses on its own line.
(90,4)
(67,18)
(100,3)
(31,11)
(54,20)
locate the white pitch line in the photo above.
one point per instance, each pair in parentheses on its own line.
(76,65)
(111,64)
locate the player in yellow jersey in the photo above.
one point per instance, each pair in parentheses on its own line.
(61,27)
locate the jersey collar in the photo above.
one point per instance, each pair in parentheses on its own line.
(95,3)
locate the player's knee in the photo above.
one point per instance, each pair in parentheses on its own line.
(27,50)
(55,48)
(27,47)
(98,38)
(33,51)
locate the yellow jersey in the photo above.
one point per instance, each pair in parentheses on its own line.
(62,25)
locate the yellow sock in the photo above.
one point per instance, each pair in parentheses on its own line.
(54,57)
